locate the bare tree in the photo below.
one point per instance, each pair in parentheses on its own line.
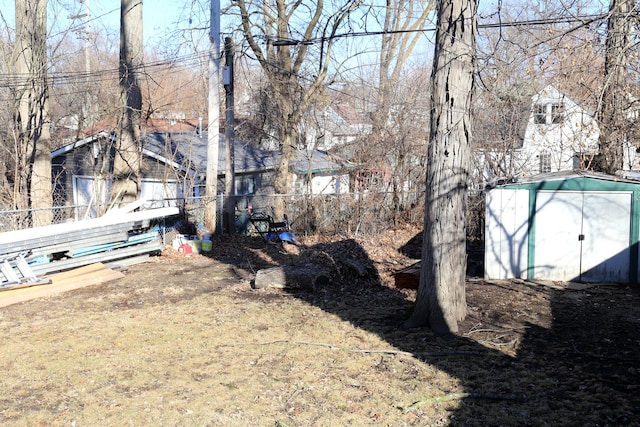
(515,62)
(173,90)
(441,300)
(33,166)
(402,20)
(396,108)
(8,149)
(280,34)
(126,185)
(612,112)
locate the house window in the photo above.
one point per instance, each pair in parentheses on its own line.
(540,114)
(370,179)
(557,113)
(245,185)
(545,114)
(545,162)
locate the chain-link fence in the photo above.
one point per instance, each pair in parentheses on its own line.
(23,218)
(348,213)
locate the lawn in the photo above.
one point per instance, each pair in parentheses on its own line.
(186,341)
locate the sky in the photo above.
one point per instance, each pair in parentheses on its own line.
(159,16)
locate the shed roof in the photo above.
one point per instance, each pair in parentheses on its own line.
(575,180)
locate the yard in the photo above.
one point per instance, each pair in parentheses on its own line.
(185,341)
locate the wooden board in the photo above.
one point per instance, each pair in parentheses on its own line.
(61,282)
(409,277)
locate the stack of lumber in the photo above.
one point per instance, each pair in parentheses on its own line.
(61,282)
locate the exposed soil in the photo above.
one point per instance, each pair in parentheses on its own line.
(185,340)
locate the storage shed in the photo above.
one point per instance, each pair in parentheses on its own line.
(565,226)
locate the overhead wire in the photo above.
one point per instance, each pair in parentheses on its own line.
(179,63)
(195,59)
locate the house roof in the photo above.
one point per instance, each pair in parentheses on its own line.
(342,119)
(150,125)
(188,151)
(79,143)
(350,114)
(551,92)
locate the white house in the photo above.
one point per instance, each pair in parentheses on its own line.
(333,126)
(560,135)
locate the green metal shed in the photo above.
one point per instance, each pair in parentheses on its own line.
(564,226)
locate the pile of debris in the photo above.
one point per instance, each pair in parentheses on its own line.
(122,234)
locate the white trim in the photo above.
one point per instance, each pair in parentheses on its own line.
(166,161)
(79,143)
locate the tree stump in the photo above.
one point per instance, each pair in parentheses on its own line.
(288,276)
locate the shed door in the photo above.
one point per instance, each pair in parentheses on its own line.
(583,236)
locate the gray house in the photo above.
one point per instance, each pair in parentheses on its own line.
(565,226)
(174,167)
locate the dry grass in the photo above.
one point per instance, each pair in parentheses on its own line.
(187,342)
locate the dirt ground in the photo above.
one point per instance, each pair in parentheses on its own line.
(186,341)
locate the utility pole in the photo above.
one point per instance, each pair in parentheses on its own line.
(88,107)
(86,118)
(230,171)
(213,133)
(126,165)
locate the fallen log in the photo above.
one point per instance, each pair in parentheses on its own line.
(360,268)
(289,276)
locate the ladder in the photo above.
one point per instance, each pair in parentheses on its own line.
(17,272)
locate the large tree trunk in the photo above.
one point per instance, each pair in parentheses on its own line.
(441,301)
(613,110)
(126,185)
(281,182)
(32,115)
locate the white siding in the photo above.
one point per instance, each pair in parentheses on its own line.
(156,191)
(92,193)
(576,132)
(323,184)
(506,233)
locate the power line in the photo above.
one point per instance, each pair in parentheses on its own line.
(189,60)
(15,80)
(582,19)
